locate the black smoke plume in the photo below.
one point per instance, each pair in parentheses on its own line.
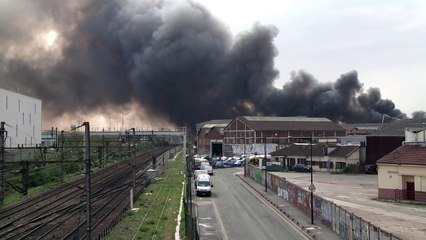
(176,60)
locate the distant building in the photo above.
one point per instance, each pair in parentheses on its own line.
(388,138)
(361,128)
(252,134)
(330,158)
(22,117)
(357,132)
(210,137)
(402,173)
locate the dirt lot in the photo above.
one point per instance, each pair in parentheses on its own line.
(358,194)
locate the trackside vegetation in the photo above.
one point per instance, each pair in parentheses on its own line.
(158,208)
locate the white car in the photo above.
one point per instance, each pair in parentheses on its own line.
(198,172)
(208,168)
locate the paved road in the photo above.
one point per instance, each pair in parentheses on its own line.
(358,194)
(234,213)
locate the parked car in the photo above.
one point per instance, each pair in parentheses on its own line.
(301,168)
(219,164)
(198,172)
(208,168)
(239,163)
(229,162)
(370,169)
(204,164)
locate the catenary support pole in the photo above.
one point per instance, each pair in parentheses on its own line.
(2,160)
(87,164)
(311,187)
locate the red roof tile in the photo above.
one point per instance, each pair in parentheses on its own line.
(406,154)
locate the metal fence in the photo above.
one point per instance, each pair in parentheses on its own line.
(191,222)
(346,224)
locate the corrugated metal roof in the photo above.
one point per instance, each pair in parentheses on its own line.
(397,128)
(363,126)
(285,119)
(406,154)
(213,123)
(291,123)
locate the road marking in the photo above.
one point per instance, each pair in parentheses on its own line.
(280,214)
(219,221)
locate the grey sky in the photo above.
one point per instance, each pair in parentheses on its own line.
(167,55)
(385,41)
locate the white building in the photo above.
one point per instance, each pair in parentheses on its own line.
(22,117)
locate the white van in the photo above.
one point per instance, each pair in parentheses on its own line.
(203,185)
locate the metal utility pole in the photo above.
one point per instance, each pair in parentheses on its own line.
(152,149)
(25,171)
(62,156)
(2,160)
(56,138)
(312,187)
(87,164)
(266,173)
(134,160)
(244,151)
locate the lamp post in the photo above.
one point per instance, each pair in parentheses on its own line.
(266,173)
(312,187)
(244,154)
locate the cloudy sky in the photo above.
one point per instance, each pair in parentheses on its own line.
(383,40)
(350,61)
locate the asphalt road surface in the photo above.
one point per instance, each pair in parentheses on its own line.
(233,212)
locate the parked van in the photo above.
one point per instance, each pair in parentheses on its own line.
(199,172)
(203,185)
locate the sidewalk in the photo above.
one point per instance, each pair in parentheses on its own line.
(297,216)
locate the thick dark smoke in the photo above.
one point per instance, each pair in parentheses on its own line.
(176,60)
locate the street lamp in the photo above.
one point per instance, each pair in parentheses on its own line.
(244,155)
(266,173)
(311,187)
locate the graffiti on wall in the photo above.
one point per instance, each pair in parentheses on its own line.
(283,193)
(323,210)
(345,224)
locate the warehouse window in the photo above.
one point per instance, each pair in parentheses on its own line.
(35,108)
(19,105)
(23,118)
(16,130)
(6,103)
(30,119)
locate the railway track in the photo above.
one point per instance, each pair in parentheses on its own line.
(60,213)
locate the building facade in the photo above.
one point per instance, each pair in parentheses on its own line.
(210,137)
(402,173)
(252,135)
(22,117)
(388,138)
(325,158)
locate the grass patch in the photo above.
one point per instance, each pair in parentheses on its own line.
(159,216)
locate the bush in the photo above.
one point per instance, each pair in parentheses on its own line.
(350,169)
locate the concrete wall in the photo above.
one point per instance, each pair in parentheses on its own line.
(22,115)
